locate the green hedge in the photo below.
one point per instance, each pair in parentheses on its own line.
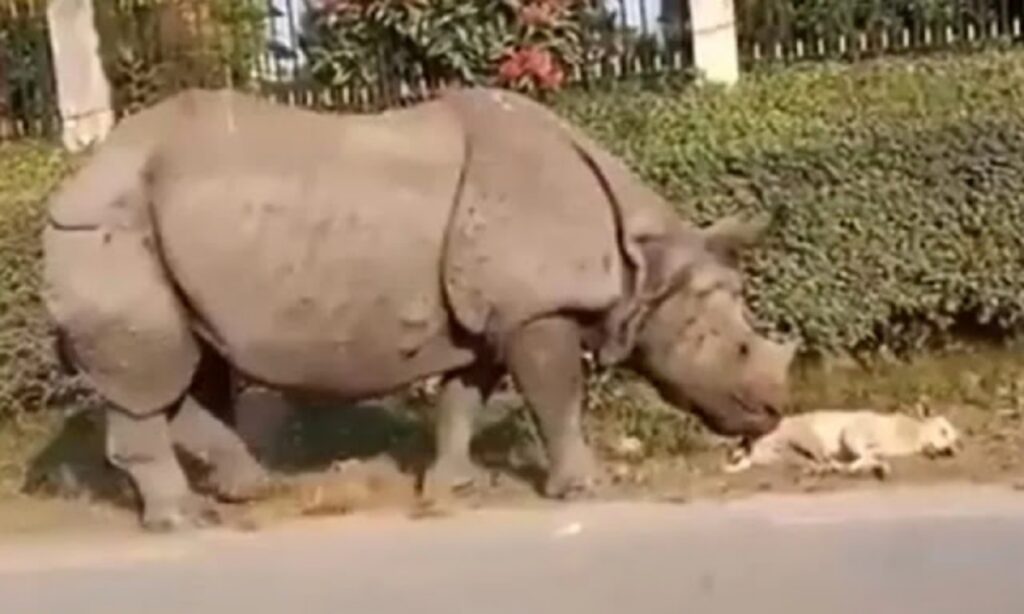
(28,374)
(897,189)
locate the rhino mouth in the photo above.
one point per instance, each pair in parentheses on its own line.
(759,409)
(765,415)
(738,416)
(730,414)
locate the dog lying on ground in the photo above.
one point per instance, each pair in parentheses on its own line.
(848,442)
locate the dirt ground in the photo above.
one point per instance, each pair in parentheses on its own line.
(994,446)
(366,458)
(992,454)
(92,497)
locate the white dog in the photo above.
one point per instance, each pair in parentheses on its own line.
(848,441)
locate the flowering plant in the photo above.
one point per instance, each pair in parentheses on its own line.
(528,45)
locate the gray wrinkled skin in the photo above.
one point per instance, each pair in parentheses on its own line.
(466,237)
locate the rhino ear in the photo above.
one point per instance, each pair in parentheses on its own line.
(730,236)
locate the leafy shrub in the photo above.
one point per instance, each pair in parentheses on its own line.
(26,88)
(525,44)
(152,48)
(897,188)
(768,21)
(28,375)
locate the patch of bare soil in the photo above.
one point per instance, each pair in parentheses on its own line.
(993,453)
(365,459)
(27,516)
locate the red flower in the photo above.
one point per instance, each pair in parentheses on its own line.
(511,69)
(538,62)
(535,63)
(552,79)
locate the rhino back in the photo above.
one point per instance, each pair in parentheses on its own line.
(308,245)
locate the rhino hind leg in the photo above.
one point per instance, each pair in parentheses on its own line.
(122,326)
(141,447)
(544,357)
(199,428)
(463,394)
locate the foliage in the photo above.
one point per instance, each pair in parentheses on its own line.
(620,404)
(768,21)
(26,87)
(896,186)
(154,47)
(525,44)
(28,375)
(897,189)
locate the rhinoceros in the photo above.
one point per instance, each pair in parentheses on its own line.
(468,236)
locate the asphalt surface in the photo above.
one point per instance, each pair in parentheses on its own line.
(949,550)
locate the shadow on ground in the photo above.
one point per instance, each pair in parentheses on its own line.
(328,455)
(72,465)
(333,457)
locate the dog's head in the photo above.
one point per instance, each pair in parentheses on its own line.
(938,437)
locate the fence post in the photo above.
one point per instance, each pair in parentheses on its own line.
(83,91)
(715,47)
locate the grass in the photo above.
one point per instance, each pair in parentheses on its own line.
(982,376)
(20,443)
(54,455)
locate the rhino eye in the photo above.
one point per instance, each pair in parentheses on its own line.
(744,350)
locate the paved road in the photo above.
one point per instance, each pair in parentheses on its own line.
(938,551)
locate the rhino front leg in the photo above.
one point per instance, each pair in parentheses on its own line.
(142,448)
(544,358)
(235,475)
(462,394)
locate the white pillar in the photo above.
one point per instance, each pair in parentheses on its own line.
(715,48)
(83,91)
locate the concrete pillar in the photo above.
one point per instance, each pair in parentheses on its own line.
(715,48)
(83,90)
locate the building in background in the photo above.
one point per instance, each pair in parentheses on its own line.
(284,57)
(649,17)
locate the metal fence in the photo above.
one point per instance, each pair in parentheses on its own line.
(154,47)
(808,30)
(770,31)
(28,106)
